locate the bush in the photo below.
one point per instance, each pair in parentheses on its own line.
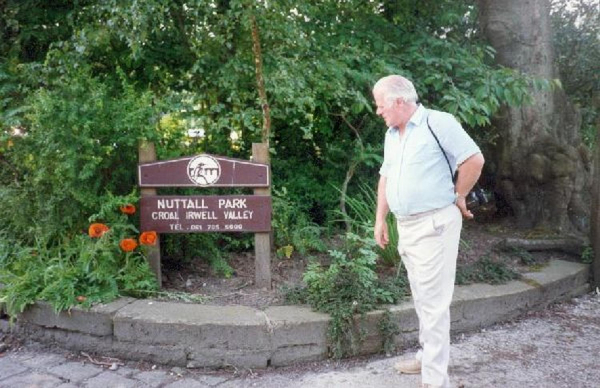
(485,271)
(347,287)
(80,143)
(292,228)
(76,270)
(361,215)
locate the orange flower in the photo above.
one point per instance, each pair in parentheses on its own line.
(97,230)
(148,238)
(128,244)
(128,209)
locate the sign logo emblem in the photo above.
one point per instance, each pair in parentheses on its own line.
(204,170)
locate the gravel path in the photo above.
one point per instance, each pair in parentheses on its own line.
(557,347)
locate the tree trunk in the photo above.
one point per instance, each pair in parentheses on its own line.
(260,83)
(595,222)
(543,166)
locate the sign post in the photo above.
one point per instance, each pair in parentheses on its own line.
(262,240)
(147,153)
(218,213)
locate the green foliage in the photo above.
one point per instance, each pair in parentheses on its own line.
(81,143)
(196,59)
(292,228)
(388,330)
(361,215)
(523,255)
(347,287)
(485,271)
(75,270)
(576,42)
(85,81)
(187,247)
(587,256)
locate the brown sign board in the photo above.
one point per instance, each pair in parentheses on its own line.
(197,214)
(203,171)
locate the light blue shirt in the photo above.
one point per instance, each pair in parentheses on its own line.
(417,175)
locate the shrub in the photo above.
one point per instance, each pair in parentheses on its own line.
(292,228)
(347,287)
(485,271)
(97,265)
(361,215)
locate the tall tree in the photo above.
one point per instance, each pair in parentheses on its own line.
(543,166)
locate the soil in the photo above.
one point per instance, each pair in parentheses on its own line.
(195,281)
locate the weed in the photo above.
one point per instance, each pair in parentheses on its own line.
(485,271)
(388,330)
(293,230)
(523,255)
(349,286)
(587,256)
(361,216)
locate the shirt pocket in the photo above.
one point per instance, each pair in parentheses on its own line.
(422,151)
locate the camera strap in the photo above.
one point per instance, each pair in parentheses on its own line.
(443,152)
(478,193)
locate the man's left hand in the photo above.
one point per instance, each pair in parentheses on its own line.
(461,203)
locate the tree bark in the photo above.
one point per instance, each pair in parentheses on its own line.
(595,222)
(260,83)
(543,166)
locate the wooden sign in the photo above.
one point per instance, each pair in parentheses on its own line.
(196,214)
(203,171)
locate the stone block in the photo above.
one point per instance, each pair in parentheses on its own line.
(484,304)
(109,379)
(35,379)
(219,357)
(297,334)
(368,327)
(10,368)
(153,378)
(75,372)
(40,362)
(186,383)
(405,317)
(557,280)
(96,321)
(195,326)
(106,346)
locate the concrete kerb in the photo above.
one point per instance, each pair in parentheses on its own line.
(216,336)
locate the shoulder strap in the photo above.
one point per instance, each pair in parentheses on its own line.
(443,152)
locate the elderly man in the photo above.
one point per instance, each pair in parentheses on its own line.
(416,184)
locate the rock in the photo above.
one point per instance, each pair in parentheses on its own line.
(178,371)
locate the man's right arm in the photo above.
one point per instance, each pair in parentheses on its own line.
(381,230)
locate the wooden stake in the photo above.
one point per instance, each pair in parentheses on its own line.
(147,153)
(262,241)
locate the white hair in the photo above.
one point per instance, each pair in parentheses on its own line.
(396,86)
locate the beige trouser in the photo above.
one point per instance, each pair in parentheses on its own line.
(428,244)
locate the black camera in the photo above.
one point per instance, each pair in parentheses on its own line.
(476,198)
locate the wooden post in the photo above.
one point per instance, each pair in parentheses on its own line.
(147,153)
(262,241)
(595,214)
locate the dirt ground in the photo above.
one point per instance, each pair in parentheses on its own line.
(196,277)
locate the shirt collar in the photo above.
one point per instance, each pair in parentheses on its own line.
(417,117)
(415,120)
